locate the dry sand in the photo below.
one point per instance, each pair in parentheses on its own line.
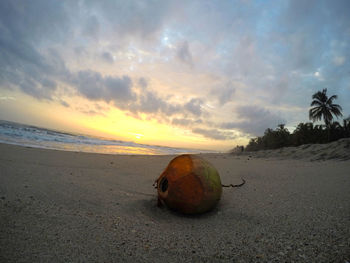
(78,207)
(338,150)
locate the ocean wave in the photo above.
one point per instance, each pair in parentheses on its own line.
(32,136)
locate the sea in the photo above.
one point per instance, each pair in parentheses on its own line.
(37,137)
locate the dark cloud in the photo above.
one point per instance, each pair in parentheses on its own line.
(21,66)
(23,26)
(214,134)
(313,32)
(150,102)
(183,53)
(254,120)
(185,122)
(131,18)
(64,103)
(181,122)
(92,109)
(34,21)
(80,51)
(36,89)
(118,89)
(107,57)
(91,112)
(194,106)
(224,93)
(121,92)
(94,86)
(143,82)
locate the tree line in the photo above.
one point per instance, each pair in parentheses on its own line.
(306,133)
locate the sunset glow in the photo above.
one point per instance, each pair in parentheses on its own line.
(196,74)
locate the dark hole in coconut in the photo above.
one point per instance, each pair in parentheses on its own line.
(164,184)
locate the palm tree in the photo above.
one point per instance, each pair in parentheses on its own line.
(324,107)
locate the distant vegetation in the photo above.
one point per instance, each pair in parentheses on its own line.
(305,133)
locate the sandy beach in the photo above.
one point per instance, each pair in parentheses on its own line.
(60,206)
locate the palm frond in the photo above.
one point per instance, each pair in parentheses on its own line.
(336,111)
(330,99)
(316,103)
(336,106)
(318,96)
(321,96)
(315,113)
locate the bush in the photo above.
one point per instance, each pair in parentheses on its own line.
(305,133)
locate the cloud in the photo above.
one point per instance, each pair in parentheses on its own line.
(22,65)
(36,89)
(149,102)
(94,86)
(311,38)
(183,54)
(254,120)
(181,122)
(107,57)
(143,82)
(92,109)
(90,112)
(185,122)
(194,106)
(339,60)
(131,18)
(37,20)
(91,27)
(224,93)
(7,98)
(122,92)
(214,134)
(64,103)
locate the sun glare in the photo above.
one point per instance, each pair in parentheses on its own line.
(137,135)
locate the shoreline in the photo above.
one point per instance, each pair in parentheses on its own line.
(72,206)
(144,148)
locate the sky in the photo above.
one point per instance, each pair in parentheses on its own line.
(198,74)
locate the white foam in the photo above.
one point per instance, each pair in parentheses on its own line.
(20,134)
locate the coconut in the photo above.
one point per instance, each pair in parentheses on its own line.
(190,185)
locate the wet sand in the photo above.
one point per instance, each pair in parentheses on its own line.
(60,206)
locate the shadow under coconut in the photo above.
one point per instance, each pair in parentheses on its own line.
(150,209)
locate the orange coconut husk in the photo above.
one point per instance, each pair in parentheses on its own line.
(190,185)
